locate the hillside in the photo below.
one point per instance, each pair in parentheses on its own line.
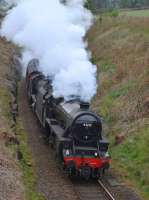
(120,49)
(11,183)
(17,179)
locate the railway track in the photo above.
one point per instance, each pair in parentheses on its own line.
(109,195)
(51,179)
(92,190)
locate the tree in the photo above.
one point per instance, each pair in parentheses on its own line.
(106,4)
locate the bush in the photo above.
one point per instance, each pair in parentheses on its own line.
(88,5)
(115,13)
(112,13)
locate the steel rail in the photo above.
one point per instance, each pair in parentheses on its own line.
(106,190)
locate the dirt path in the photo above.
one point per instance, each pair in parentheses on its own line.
(51,181)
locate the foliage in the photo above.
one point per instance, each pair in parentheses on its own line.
(106,4)
(133,3)
(111,13)
(114,13)
(89,5)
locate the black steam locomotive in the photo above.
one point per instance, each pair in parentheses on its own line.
(70,127)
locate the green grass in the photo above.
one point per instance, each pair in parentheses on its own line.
(105,108)
(111,99)
(5,100)
(26,166)
(25,163)
(105,66)
(111,13)
(120,52)
(123,90)
(136,13)
(133,156)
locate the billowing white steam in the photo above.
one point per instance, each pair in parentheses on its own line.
(54,33)
(12,2)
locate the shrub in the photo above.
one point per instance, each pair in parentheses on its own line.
(112,13)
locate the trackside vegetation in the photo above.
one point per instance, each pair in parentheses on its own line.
(26,164)
(120,47)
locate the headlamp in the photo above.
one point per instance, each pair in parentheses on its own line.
(67,152)
(96,154)
(107,155)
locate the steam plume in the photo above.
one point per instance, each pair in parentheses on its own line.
(54,33)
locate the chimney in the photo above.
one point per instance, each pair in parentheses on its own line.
(84,105)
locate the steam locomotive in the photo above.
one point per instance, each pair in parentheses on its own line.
(70,127)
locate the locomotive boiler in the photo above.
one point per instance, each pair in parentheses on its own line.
(71,128)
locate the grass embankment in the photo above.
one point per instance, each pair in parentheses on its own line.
(17,180)
(26,165)
(136,13)
(5,99)
(120,49)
